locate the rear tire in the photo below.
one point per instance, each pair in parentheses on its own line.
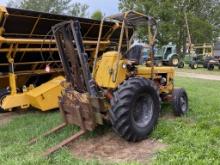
(206,61)
(181,64)
(135,108)
(180,102)
(194,65)
(211,67)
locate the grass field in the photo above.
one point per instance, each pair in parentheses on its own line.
(193,139)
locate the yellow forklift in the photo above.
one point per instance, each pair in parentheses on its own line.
(119,86)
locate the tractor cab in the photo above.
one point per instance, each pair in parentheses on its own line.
(168,55)
(117,64)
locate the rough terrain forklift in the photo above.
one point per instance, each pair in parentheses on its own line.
(118,87)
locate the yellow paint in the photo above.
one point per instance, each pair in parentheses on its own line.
(16,100)
(3,14)
(44,41)
(12,83)
(144,71)
(105,69)
(44,97)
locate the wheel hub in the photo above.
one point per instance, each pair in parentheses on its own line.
(143,111)
(175,61)
(183,104)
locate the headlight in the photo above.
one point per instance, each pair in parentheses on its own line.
(124,66)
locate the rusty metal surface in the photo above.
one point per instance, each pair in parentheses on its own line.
(77,110)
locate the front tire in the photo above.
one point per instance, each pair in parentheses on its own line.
(181,64)
(180,102)
(135,108)
(194,65)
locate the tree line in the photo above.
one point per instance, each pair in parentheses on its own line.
(203,16)
(66,7)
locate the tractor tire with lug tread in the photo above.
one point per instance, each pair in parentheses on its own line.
(206,61)
(180,102)
(181,64)
(194,65)
(3,93)
(211,67)
(135,108)
(174,61)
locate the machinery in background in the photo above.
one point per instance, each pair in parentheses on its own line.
(29,57)
(215,61)
(199,56)
(168,55)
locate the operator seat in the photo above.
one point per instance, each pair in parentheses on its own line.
(135,53)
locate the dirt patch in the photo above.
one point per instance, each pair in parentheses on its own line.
(198,75)
(168,116)
(8,116)
(113,149)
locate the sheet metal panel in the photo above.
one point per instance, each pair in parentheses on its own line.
(30,60)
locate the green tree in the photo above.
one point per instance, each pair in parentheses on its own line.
(52,6)
(79,10)
(97,15)
(203,18)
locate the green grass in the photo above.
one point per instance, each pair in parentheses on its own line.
(193,139)
(187,69)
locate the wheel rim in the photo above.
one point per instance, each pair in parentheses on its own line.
(160,64)
(143,111)
(175,61)
(183,104)
(195,66)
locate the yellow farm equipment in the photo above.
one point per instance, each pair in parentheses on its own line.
(43,97)
(29,59)
(119,86)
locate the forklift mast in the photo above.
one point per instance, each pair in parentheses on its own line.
(73,56)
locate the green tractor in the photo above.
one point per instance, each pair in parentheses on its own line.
(168,56)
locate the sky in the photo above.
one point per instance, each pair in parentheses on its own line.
(106,6)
